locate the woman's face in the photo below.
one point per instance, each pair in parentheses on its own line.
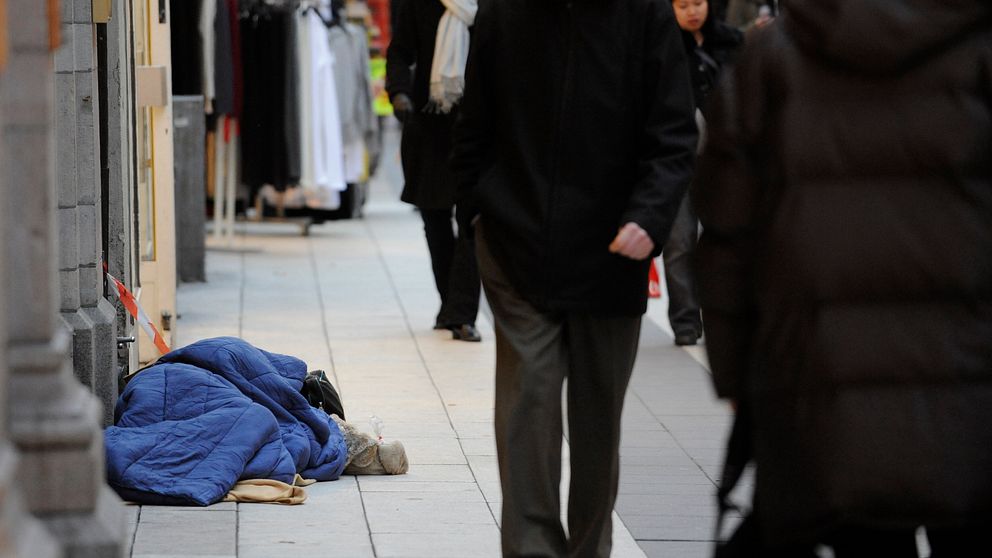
(691,14)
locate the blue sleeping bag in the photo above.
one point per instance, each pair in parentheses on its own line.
(212,413)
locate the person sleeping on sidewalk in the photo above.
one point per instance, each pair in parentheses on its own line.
(202,418)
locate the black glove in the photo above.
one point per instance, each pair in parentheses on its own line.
(402,107)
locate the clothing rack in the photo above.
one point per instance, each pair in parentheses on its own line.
(250,8)
(279,4)
(226,173)
(220,55)
(315,5)
(326,188)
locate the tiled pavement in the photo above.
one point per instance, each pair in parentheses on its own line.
(357,299)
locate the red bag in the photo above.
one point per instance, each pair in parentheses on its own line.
(654,282)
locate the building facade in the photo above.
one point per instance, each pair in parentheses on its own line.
(85,189)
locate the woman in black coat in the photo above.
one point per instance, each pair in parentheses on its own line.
(846,271)
(710,45)
(425,149)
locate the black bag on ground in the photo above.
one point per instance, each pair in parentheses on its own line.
(320,393)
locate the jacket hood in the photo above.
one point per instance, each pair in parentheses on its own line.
(882,35)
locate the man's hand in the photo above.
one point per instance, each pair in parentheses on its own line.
(402,106)
(633,242)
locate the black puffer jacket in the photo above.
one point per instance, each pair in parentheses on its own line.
(577,118)
(846,262)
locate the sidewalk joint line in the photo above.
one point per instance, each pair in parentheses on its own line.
(423,361)
(323,315)
(237,529)
(365,514)
(241,296)
(134,536)
(678,540)
(674,438)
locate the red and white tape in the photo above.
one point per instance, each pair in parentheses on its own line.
(654,282)
(137,313)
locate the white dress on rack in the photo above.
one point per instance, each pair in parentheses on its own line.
(305,103)
(324,120)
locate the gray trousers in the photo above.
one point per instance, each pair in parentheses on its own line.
(683,302)
(535,352)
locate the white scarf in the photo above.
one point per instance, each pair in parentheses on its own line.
(451,53)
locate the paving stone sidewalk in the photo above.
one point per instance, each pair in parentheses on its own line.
(356,299)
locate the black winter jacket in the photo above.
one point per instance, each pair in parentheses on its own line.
(426,143)
(577,118)
(411,50)
(720,45)
(846,262)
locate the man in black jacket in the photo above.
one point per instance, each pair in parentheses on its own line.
(576,142)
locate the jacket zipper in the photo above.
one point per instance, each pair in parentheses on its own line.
(556,151)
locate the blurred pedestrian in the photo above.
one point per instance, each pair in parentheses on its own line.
(710,45)
(846,272)
(576,140)
(718,9)
(395,7)
(742,14)
(425,78)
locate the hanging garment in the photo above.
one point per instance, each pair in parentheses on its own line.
(325,121)
(219,167)
(223,102)
(237,76)
(290,65)
(355,161)
(349,44)
(208,13)
(305,95)
(270,136)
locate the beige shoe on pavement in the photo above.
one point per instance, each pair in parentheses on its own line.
(392,455)
(388,458)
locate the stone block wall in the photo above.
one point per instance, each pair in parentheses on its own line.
(120,203)
(86,313)
(53,422)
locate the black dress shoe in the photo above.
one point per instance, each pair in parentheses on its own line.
(466,332)
(686,338)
